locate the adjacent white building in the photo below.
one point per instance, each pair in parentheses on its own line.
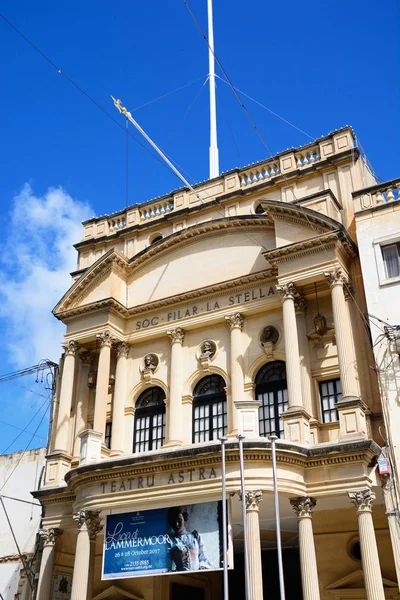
(377,216)
(20,473)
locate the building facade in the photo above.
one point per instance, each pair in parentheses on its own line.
(232,310)
(20,473)
(378,231)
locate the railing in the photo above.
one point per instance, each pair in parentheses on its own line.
(307,158)
(383,193)
(157,209)
(117,223)
(263,172)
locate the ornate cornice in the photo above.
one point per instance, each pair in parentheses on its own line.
(362,499)
(235,321)
(303,506)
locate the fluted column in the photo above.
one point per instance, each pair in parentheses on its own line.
(103,378)
(174,433)
(253,499)
(288,294)
(303,507)
(82,399)
(61,443)
(343,334)
(235,324)
(87,520)
(120,390)
(94,528)
(300,305)
(363,500)
(49,536)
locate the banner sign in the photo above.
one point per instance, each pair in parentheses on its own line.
(164,540)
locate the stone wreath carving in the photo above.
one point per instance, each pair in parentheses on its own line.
(206,353)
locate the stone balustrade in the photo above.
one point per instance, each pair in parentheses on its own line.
(376,195)
(252,176)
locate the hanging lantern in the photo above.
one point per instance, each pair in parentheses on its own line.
(91,379)
(320,323)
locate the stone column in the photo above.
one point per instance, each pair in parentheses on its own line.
(300,305)
(296,419)
(44,591)
(87,520)
(389,494)
(61,443)
(174,420)
(308,562)
(363,500)
(82,399)
(253,499)
(351,408)
(235,324)
(103,378)
(94,528)
(120,391)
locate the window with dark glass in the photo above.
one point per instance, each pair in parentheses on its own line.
(149,420)
(271,392)
(391,260)
(330,392)
(209,409)
(107,435)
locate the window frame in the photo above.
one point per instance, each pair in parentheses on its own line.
(271,387)
(108,434)
(378,244)
(143,412)
(323,411)
(210,400)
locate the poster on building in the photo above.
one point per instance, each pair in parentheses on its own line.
(165,540)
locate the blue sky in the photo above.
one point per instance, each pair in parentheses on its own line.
(319,65)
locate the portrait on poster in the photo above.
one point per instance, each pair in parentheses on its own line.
(178,539)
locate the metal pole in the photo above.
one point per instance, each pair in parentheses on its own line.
(224,520)
(214,161)
(244,517)
(273,439)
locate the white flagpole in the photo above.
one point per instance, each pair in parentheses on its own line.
(244,517)
(214,159)
(273,439)
(224,520)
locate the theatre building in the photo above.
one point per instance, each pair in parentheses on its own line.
(236,308)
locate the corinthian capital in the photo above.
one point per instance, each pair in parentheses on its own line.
(105,338)
(336,277)
(287,291)
(300,304)
(235,321)
(122,349)
(89,520)
(71,347)
(362,499)
(49,536)
(252,499)
(303,506)
(176,335)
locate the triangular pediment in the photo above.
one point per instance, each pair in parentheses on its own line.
(116,593)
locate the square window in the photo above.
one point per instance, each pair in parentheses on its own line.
(330,393)
(391,260)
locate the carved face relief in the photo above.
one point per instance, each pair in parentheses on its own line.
(150,362)
(269,334)
(207,350)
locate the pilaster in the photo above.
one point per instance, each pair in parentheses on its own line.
(120,392)
(102,382)
(174,420)
(235,324)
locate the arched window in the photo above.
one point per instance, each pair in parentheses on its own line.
(271,391)
(209,409)
(149,420)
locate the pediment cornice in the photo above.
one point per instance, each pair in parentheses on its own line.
(299,215)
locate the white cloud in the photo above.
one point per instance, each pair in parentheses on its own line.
(37,257)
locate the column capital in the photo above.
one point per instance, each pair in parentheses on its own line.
(89,520)
(235,321)
(176,335)
(287,291)
(348,290)
(303,506)
(122,349)
(87,357)
(50,535)
(336,277)
(71,347)
(105,338)
(253,499)
(362,499)
(300,304)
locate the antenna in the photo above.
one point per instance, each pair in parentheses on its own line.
(214,160)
